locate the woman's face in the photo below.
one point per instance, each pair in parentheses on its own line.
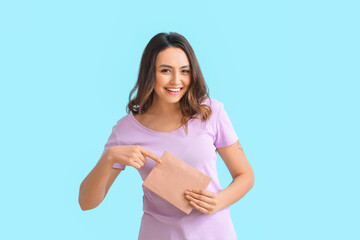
(172,72)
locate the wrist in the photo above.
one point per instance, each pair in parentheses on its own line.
(220,202)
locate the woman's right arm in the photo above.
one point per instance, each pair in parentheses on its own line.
(95,186)
(97,183)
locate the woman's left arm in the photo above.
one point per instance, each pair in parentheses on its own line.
(241,172)
(243,180)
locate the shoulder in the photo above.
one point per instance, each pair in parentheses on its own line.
(124,119)
(216,107)
(123,123)
(215,104)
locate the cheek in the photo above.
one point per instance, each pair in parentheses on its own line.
(187,81)
(161,80)
(159,83)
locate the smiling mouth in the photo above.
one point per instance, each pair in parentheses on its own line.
(173,91)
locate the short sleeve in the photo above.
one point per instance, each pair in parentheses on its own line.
(225,134)
(113,141)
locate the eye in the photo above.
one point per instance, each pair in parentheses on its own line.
(187,71)
(164,70)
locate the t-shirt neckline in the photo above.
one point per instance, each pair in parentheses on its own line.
(153,131)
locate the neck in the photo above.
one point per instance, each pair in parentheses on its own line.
(162,108)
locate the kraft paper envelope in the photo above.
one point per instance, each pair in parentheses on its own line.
(171,178)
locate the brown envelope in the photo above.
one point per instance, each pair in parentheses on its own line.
(171,178)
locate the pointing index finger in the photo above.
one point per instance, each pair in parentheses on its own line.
(150,155)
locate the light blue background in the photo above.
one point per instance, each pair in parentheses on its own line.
(286,71)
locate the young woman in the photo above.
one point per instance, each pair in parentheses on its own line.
(172,111)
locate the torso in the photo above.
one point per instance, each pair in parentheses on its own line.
(159,124)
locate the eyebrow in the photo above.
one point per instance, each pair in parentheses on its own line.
(164,65)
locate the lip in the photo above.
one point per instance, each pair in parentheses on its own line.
(173,93)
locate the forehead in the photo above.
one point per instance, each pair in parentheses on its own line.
(172,56)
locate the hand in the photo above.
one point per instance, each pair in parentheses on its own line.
(131,155)
(203,200)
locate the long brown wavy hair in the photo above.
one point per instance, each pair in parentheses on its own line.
(190,103)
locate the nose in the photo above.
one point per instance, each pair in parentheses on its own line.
(176,78)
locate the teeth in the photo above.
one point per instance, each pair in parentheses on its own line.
(173,90)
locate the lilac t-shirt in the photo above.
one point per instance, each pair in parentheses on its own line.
(161,220)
